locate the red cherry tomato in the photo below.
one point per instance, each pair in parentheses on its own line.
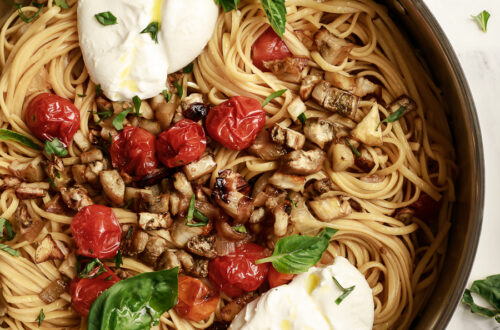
(96,232)
(133,151)
(181,144)
(236,122)
(237,272)
(426,208)
(276,278)
(50,116)
(269,47)
(196,300)
(84,291)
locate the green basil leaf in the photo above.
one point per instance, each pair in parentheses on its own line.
(167,95)
(393,116)
(136,302)
(25,18)
(276,14)
(98,90)
(81,95)
(476,309)
(201,217)
(302,117)
(55,147)
(129,232)
(119,118)
(345,291)
(118,260)
(180,91)
(8,135)
(228,5)
(106,18)
(297,253)
(240,229)
(152,29)
(6,231)
(482,20)
(40,318)
(273,96)
(194,213)
(353,148)
(489,289)
(90,269)
(188,68)
(62,4)
(9,250)
(137,105)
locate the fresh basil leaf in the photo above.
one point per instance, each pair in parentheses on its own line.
(393,116)
(62,4)
(104,115)
(129,232)
(476,309)
(353,148)
(190,211)
(40,318)
(482,20)
(128,205)
(276,14)
(106,18)
(297,253)
(152,29)
(90,269)
(345,291)
(180,91)
(6,231)
(201,217)
(109,278)
(302,118)
(8,135)
(119,118)
(273,96)
(9,250)
(118,260)
(55,147)
(136,302)
(98,90)
(194,213)
(489,289)
(26,19)
(240,229)
(188,68)
(167,95)
(228,5)
(81,95)
(137,105)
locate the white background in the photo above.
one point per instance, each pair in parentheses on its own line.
(479,54)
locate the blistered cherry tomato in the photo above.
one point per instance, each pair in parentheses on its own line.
(96,232)
(181,144)
(50,116)
(237,272)
(196,300)
(236,122)
(84,291)
(276,278)
(269,47)
(134,151)
(426,208)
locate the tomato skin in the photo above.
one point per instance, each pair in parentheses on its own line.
(49,116)
(96,231)
(84,291)
(237,272)
(268,47)
(181,144)
(236,122)
(196,300)
(276,278)
(134,151)
(426,208)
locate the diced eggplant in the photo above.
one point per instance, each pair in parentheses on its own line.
(230,193)
(335,99)
(319,131)
(9,182)
(197,169)
(334,50)
(30,172)
(329,208)
(32,190)
(113,186)
(81,141)
(203,246)
(287,181)
(366,87)
(182,184)
(302,162)
(76,197)
(365,161)
(53,291)
(154,221)
(168,260)
(91,156)
(258,215)
(264,148)
(29,223)
(281,216)
(341,80)
(50,249)
(229,311)
(307,86)
(182,233)
(403,101)
(287,137)
(315,188)
(153,250)
(134,242)
(288,69)
(343,157)
(368,130)
(296,108)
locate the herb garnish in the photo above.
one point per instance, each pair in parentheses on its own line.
(7,134)
(89,270)
(393,116)
(152,29)
(302,117)
(345,292)
(137,105)
(353,148)
(489,289)
(119,118)
(102,115)
(62,4)
(109,278)
(188,68)
(482,20)
(40,318)
(26,19)
(81,95)
(98,90)
(228,5)
(297,253)
(128,205)
(6,231)
(180,91)
(194,213)
(118,260)
(273,96)
(106,18)
(55,147)
(129,232)
(167,95)
(240,229)
(9,250)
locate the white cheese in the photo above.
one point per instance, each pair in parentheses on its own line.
(308,302)
(126,62)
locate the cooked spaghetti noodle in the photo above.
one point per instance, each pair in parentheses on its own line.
(400,258)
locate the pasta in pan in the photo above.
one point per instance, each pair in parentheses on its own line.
(382,229)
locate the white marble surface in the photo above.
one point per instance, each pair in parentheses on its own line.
(479,54)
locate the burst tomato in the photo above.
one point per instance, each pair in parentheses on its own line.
(196,300)
(181,144)
(276,278)
(237,272)
(134,151)
(426,208)
(50,116)
(236,122)
(268,47)
(84,291)
(96,232)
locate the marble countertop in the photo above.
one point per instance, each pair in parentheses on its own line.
(479,55)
